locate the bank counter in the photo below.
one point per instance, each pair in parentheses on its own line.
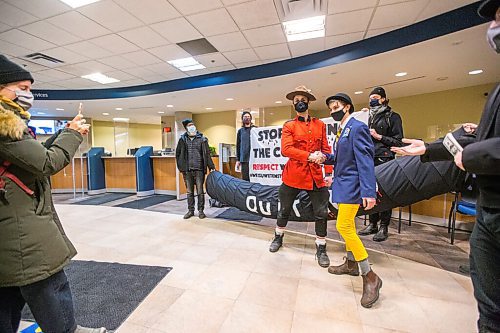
(71,177)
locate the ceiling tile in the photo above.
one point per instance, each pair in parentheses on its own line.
(303,47)
(139,72)
(241,56)
(177,30)
(340,6)
(13,50)
(177,75)
(77,82)
(155,78)
(23,39)
(273,51)
(150,11)
(254,14)
(187,7)
(110,15)
(335,41)
(86,68)
(41,8)
(340,24)
(115,44)
(212,60)
(55,75)
(229,42)
(198,72)
(4,27)
(69,57)
(221,69)
(376,32)
(233,2)
(141,58)
(78,25)
(120,75)
(90,50)
(144,37)
(117,62)
(265,36)
(404,13)
(14,16)
(29,65)
(169,52)
(214,22)
(249,64)
(162,68)
(49,32)
(434,8)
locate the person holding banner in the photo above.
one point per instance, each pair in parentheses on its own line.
(353,184)
(301,137)
(243,146)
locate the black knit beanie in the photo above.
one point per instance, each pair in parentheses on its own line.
(12,72)
(379,91)
(185,122)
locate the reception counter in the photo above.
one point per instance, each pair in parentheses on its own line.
(65,181)
(120,175)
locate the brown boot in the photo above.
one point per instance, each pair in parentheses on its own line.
(371,287)
(348,267)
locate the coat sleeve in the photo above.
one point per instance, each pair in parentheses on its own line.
(210,162)
(238,145)
(364,152)
(287,148)
(436,151)
(483,157)
(326,149)
(38,159)
(396,132)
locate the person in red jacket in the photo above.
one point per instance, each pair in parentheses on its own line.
(301,138)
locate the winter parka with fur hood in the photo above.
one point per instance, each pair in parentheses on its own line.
(33,244)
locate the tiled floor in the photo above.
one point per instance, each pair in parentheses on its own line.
(224,279)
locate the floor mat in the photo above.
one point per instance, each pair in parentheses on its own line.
(103,198)
(147,202)
(105,294)
(235,214)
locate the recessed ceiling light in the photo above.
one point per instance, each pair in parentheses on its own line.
(124,120)
(209,108)
(78,3)
(59,109)
(101,78)
(476,71)
(186,64)
(278,102)
(105,114)
(401,74)
(311,27)
(170,106)
(40,112)
(229,99)
(358,92)
(118,109)
(161,112)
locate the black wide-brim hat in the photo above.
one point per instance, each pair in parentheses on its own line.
(488,9)
(340,97)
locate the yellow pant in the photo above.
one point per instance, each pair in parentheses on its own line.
(347,229)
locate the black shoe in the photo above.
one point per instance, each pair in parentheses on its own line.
(201,214)
(382,234)
(276,243)
(321,256)
(368,230)
(188,215)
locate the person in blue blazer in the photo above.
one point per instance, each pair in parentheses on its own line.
(353,184)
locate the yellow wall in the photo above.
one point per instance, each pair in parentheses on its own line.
(276,116)
(218,127)
(139,135)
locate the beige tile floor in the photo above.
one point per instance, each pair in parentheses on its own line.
(224,279)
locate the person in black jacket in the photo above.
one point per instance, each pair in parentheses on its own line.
(481,156)
(243,145)
(386,129)
(193,160)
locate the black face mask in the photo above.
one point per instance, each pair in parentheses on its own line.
(338,115)
(301,106)
(374,102)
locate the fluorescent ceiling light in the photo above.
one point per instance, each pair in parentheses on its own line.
(229,99)
(209,108)
(475,72)
(278,102)
(401,74)
(170,106)
(186,64)
(101,78)
(59,109)
(118,109)
(105,114)
(311,27)
(124,120)
(78,3)
(358,92)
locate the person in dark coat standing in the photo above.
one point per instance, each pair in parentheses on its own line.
(480,156)
(34,248)
(193,160)
(386,129)
(243,145)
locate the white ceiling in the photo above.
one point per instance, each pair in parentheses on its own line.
(132,40)
(451,56)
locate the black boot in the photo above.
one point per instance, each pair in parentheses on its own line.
(321,256)
(368,230)
(188,215)
(276,243)
(201,214)
(382,234)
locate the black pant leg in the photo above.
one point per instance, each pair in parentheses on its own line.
(319,200)
(189,181)
(200,190)
(286,195)
(385,216)
(245,171)
(11,305)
